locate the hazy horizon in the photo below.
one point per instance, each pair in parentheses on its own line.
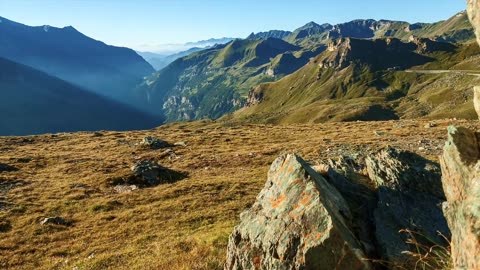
(165,25)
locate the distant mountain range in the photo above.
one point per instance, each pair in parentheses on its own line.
(213,82)
(68,54)
(33,102)
(209,83)
(57,79)
(360,79)
(161,59)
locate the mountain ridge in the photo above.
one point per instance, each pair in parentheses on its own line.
(34,102)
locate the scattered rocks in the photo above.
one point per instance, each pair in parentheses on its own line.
(55,221)
(154,143)
(461,182)
(182,144)
(299,221)
(125,188)
(430,125)
(149,173)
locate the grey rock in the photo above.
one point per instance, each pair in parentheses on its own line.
(55,221)
(148,171)
(299,221)
(346,174)
(182,144)
(410,197)
(405,171)
(125,188)
(461,181)
(154,143)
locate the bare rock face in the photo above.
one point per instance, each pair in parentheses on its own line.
(476,99)
(299,221)
(473,8)
(255,96)
(410,197)
(461,182)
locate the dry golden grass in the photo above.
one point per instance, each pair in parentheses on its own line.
(183,225)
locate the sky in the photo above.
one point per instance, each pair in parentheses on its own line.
(149,24)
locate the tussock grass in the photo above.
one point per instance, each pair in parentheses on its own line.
(179,225)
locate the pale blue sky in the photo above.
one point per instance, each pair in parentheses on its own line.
(150,22)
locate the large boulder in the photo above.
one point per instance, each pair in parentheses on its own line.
(299,221)
(461,182)
(410,197)
(473,8)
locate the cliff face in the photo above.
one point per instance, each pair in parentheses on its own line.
(380,53)
(473,7)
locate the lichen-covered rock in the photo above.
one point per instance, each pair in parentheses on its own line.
(461,182)
(299,221)
(404,171)
(410,197)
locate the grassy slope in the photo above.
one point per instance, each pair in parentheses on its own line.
(33,102)
(216,81)
(363,92)
(183,225)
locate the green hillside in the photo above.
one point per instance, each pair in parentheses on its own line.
(216,81)
(369,80)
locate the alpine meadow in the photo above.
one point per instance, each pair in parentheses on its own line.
(217,135)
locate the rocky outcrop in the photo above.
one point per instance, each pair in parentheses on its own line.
(357,209)
(476,99)
(410,197)
(299,221)
(473,8)
(461,182)
(255,96)
(150,173)
(154,143)
(378,54)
